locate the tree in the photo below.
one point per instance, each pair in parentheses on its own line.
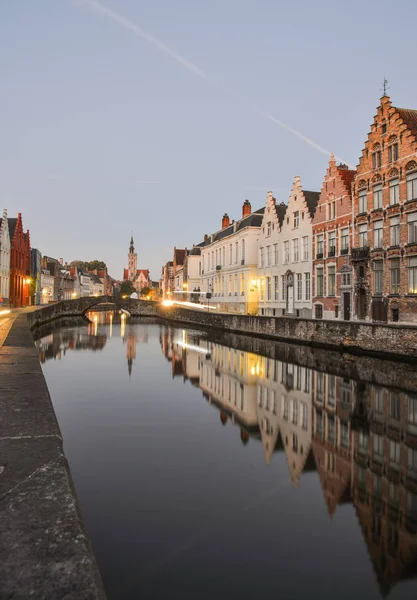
(145,291)
(127,288)
(91,265)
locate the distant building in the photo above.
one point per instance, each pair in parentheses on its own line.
(66,282)
(5,251)
(167,279)
(19,263)
(140,278)
(192,273)
(47,287)
(53,265)
(96,285)
(35,272)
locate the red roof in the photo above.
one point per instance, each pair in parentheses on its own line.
(125,274)
(347,176)
(179,256)
(409,117)
(144,271)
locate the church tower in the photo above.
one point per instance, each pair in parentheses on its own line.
(132,261)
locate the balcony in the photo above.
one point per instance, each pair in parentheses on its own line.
(319,255)
(344,251)
(360,253)
(332,251)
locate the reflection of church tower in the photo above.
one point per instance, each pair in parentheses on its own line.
(130,351)
(132,261)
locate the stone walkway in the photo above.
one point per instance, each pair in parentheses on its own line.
(44,549)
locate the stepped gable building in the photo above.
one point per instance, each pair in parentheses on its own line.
(4,260)
(332,235)
(139,277)
(285,249)
(384,255)
(19,263)
(229,265)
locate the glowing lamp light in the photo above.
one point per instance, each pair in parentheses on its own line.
(5,311)
(167,303)
(74,294)
(28,280)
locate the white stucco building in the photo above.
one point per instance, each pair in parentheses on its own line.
(285,254)
(47,287)
(4,259)
(229,268)
(192,273)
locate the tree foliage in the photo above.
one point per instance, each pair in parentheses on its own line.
(91,265)
(127,288)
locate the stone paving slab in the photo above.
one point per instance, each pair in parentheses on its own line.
(45,552)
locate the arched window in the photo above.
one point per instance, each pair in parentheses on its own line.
(392,149)
(376,156)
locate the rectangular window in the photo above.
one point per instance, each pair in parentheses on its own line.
(236,252)
(392,153)
(299,286)
(378,234)
(332,244)
(363,202)
(394,231)
(320,246)
(305,247)
(412,228)
(395,405)
(319,277)
(394,452)
(296,219)
(242,284)
(344,436)
(295,250)
(262,283)
(394,191)
(243,252)
(282,287)
(331,281)
(378,445)
(412,410)
(412,459)
(395,275)
(261,254)
(268,255)
(286,252)
(304,415)
(412,186)
(378,277)
(236,284)
(230,254)
(412,275)
(307,284)
(363,235)
(268,228)
(268,288)
(378,195)
(344,241)
(275,254)
(230,285)
(276,287)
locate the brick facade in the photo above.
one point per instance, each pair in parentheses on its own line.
(19,264)
(332,241)
(385,218)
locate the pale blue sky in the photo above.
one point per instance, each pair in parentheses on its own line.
(102,132)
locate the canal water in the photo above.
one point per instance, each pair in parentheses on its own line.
(211,466)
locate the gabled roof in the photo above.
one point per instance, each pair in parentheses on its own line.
(312,199)
(281,209)
(125,274)
(12,226)
(144,272)
(196,251)
(347,176)
(94,278)
(252,220)
(409,117)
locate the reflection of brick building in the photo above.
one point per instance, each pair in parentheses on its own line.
(332,234)
(385,216)
(19,263)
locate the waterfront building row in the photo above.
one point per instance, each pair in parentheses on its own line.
(346,252)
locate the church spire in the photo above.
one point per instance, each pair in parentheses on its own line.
(131,247)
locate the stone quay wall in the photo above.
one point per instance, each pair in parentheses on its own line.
(390,340)
(346,336)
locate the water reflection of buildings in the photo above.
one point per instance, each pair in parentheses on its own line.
(56,344)
(361,438)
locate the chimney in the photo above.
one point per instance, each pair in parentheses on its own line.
(205,237)
(246,209)
(225,221)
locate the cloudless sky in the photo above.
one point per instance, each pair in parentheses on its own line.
(102,133)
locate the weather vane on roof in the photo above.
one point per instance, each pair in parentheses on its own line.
(385,86)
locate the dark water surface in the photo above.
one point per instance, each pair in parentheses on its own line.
(205,471)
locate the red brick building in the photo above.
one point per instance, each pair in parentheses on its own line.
(19,263)
(384,256)
(332,241)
